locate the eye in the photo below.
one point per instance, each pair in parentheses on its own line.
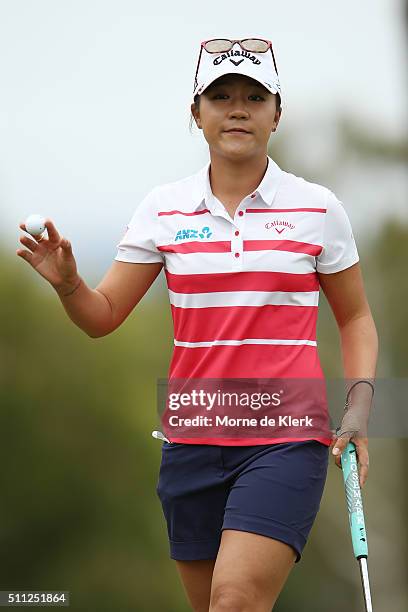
(219,96)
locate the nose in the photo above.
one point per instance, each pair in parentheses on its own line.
(238,113)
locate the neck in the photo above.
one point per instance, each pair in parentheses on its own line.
(233,180)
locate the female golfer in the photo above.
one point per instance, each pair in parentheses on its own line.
(245,247)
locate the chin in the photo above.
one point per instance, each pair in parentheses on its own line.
(238,152)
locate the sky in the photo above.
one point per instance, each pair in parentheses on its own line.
(95,98)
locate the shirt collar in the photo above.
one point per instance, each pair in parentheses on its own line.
(267,188)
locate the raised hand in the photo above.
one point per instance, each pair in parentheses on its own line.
(51,257)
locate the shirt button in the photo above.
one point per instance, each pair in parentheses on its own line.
(237,233)
(236,254)
(241,212)
(253,195)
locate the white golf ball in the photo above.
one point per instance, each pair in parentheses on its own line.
(35,225)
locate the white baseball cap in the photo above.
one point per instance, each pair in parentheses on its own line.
(252,57)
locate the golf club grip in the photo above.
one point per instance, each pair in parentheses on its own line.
(349,466)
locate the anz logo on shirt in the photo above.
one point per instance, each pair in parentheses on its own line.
(188,234)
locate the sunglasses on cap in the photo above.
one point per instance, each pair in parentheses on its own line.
(223,45)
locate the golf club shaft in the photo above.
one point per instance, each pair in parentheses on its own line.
(366,584)
(349,466)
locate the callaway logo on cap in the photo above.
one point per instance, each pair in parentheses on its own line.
(252,57)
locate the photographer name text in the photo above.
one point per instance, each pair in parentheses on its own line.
(227,421)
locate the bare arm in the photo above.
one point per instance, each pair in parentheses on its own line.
(359,341)
(98,311)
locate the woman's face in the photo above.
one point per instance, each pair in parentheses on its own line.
(237,101)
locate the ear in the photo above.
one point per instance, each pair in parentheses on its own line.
(276,120)
(196,115)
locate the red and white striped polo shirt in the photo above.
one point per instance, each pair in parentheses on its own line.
(244,292)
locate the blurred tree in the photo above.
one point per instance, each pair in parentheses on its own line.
(79,511)
(328,571)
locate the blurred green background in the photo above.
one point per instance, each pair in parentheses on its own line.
(79,467)
(79,510)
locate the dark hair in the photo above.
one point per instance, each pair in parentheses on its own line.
(197,106)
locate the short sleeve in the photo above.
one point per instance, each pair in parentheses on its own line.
(138,244)
(339,247)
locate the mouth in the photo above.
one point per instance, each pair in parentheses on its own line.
(237,131)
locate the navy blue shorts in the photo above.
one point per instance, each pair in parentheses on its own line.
(272,490)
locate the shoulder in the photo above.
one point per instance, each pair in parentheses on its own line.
(179,184)
(185,192)
(182,194)
(298,190)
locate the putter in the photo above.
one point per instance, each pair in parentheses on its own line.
(356,517)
